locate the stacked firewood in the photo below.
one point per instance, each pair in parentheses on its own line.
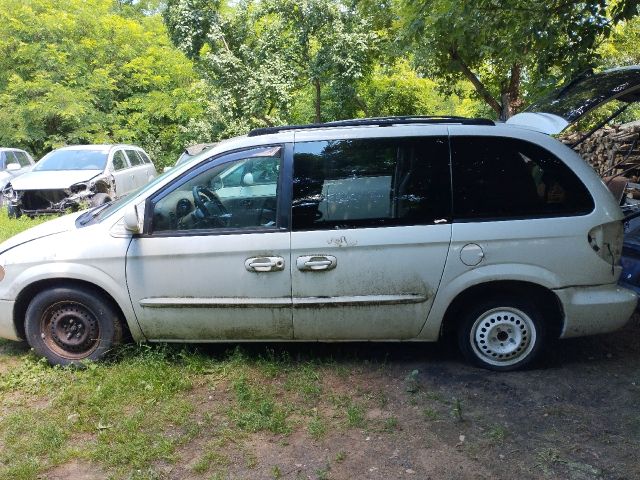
(611,150)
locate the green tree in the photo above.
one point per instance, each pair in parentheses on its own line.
(81,72)
(265,54)
(508,48)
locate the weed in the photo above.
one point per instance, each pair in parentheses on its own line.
(276,473)
(430,413)
(355,415)
(456,409)
(341,456)
(209,459)
(497,433)
(305,382)
(323,473)
(412,382)
(390,424)
(256,408)
(317,427)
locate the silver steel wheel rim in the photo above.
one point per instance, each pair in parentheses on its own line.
(503,336)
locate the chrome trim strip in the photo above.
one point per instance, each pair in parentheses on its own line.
(299,302)
(302,302)
(224,302)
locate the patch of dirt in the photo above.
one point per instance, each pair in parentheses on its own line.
(75,470)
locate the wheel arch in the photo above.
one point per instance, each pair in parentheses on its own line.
(544,298)
(26,294)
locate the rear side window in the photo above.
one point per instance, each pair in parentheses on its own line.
(134,158)
(371,183)
(507,178)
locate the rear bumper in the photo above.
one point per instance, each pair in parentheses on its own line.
(593,310)
(7,328)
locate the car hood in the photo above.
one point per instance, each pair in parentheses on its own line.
(52,227)
(573,101)
(52,180)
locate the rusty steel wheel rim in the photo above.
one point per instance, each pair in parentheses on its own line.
(70,330)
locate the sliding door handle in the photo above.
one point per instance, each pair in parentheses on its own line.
(315,263)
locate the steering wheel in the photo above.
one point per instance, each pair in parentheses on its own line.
(203,195)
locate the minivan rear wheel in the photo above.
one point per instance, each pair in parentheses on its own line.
(70,325)
(501,334)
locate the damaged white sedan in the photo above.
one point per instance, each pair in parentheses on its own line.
(71,178)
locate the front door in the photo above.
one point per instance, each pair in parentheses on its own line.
(371,232)
(208,267)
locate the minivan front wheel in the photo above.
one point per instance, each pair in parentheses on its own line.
(501,334)
(71,325)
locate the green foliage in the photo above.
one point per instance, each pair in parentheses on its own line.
(12,226)
(274,62)
(508,49)
(82,72)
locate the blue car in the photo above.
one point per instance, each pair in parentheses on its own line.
(630,277)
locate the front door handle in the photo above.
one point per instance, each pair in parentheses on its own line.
(264,264)
(314,263)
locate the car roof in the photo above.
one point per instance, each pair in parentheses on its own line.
(376,121)
(105,146)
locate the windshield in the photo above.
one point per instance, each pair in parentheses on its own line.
(73,160)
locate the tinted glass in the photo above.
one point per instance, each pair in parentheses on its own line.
(134,158)
(578,98)
(370,183)
(119,160)
(238,194)
(502,178)
(73,160)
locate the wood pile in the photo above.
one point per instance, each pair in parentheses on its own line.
(611,150)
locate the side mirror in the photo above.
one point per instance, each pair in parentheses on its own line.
(131,220)
(166,169)
(13,167)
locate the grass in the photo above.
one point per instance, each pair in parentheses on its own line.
(142,409)
(12,226)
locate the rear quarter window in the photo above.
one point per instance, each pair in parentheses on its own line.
(507,178)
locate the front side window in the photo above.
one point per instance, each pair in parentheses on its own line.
(507,178)
(241,194)
(11,158)
(23,159)
(371,183)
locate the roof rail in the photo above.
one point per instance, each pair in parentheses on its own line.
(378,122)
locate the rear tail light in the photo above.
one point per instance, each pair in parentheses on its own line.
(606,240)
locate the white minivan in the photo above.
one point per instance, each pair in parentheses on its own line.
(388,229)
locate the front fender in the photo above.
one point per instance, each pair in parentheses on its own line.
(61,271)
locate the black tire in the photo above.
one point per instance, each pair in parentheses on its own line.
(502,333)
(70,325)
(13,212)
(100,199)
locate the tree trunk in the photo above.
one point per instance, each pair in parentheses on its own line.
(479,86)
(511,101)
(316,83)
